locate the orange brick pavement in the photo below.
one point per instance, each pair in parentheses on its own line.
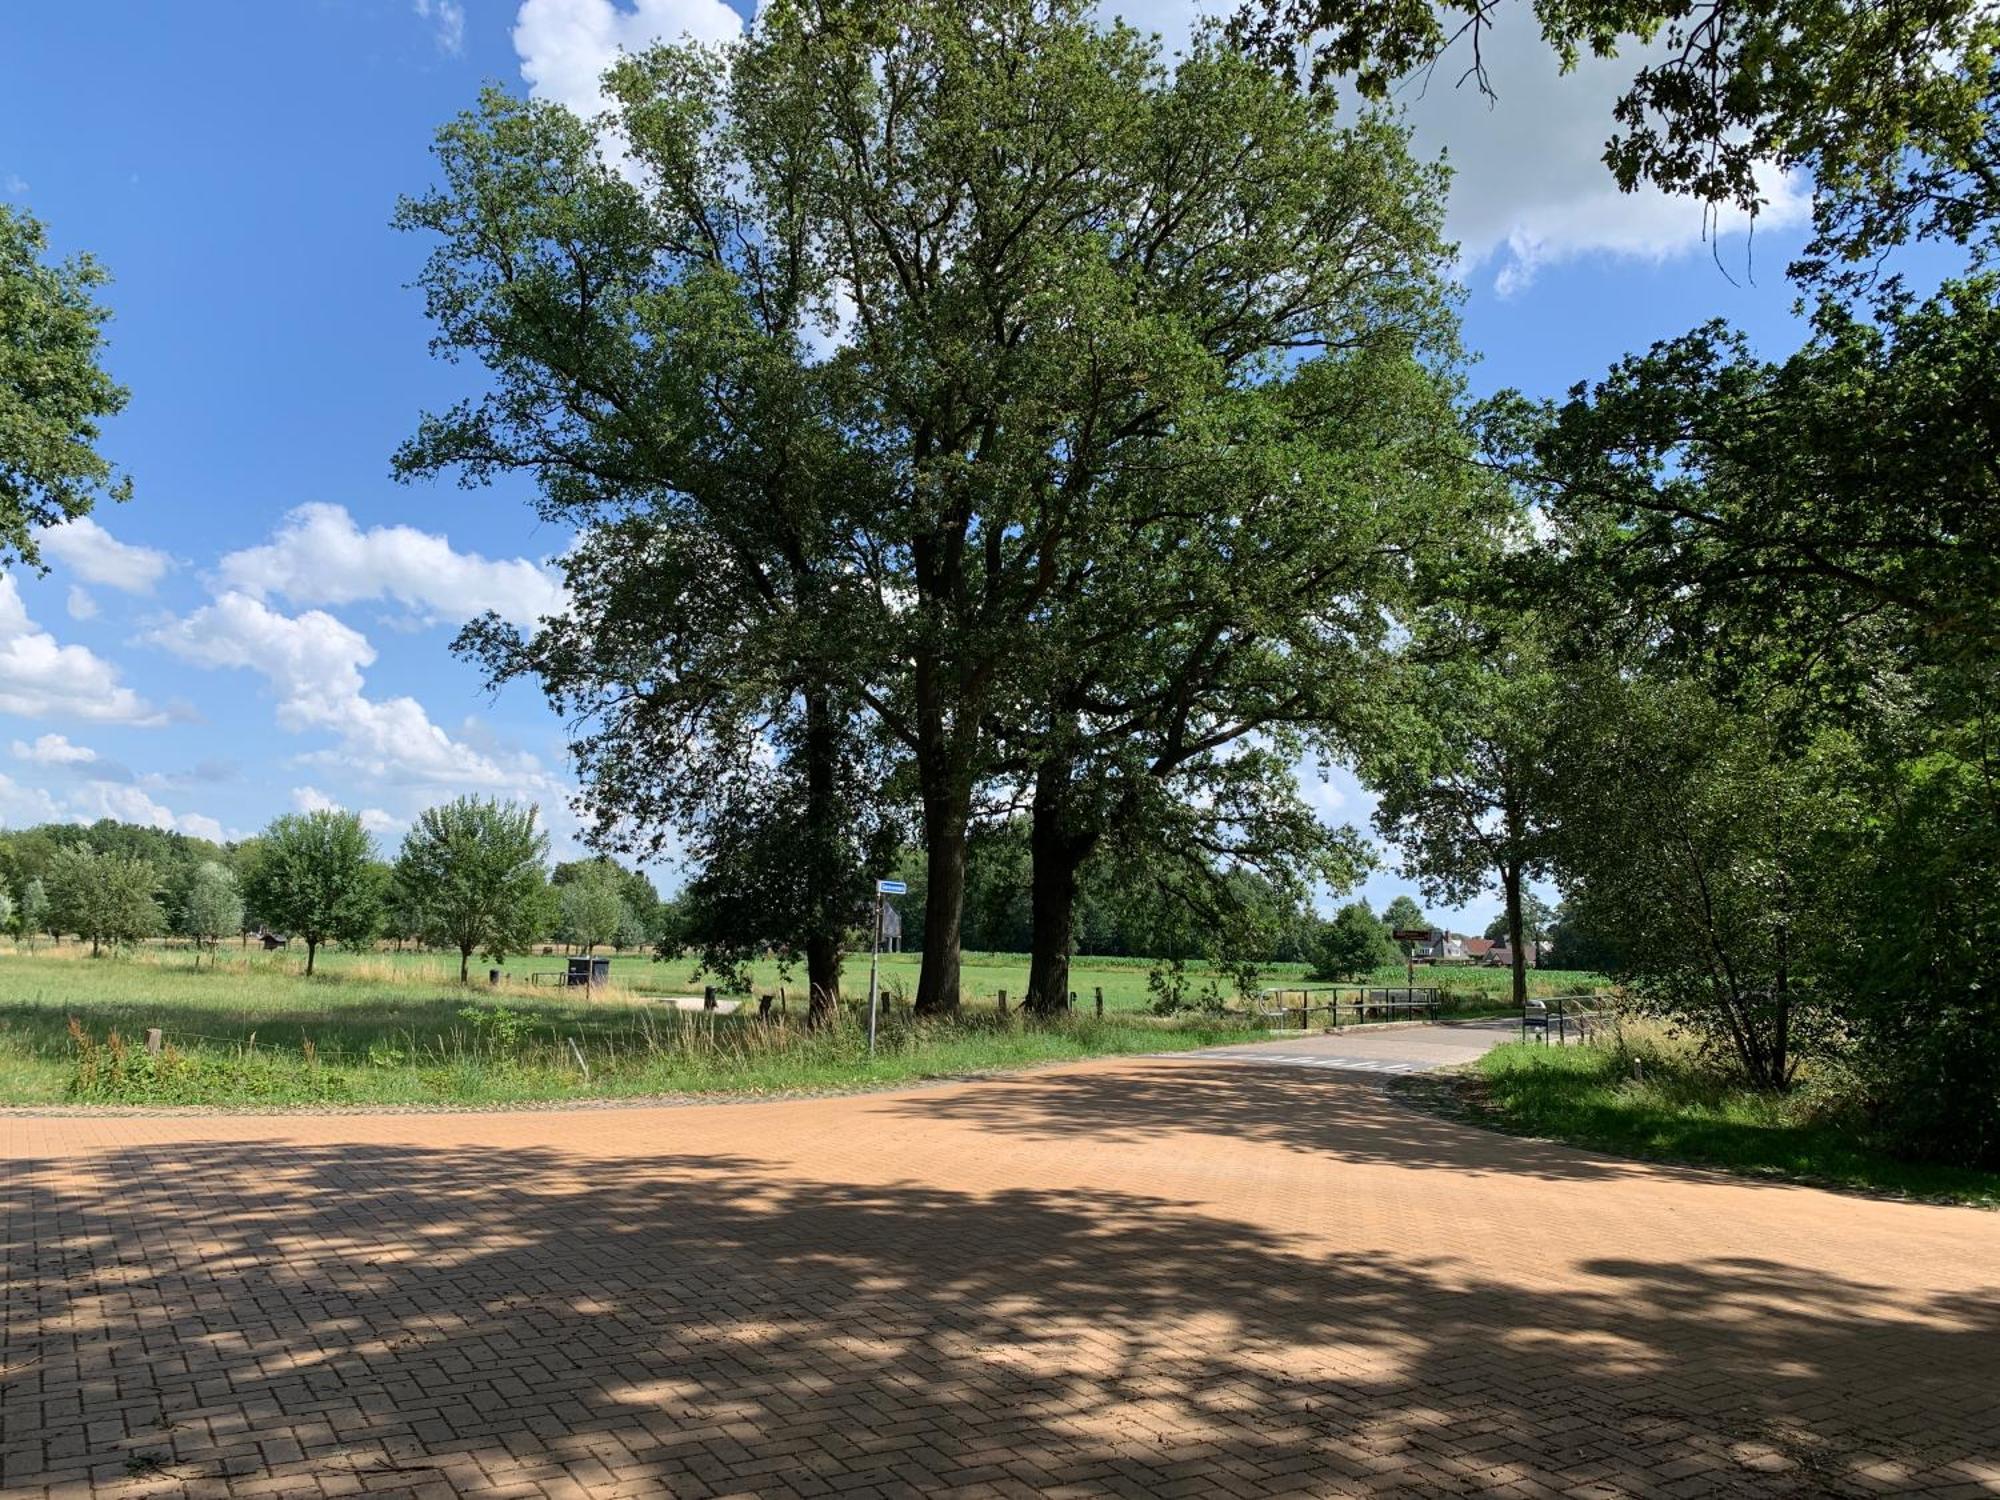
(1150,1278)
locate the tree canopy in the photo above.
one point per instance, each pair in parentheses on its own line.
(54,392)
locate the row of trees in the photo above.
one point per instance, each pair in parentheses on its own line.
(471,876)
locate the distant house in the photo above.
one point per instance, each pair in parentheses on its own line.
(1501,956)
(1480,950)
(1438,947)
(271,939)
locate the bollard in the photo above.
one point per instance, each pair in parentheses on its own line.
(1072,1001)
(1003,1002)
(155,1043)
(708,997)
(492,976)
(1100,1002)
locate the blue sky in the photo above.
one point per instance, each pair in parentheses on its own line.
(264,626)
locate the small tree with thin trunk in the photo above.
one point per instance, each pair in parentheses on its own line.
(474,868)
(214,907)
(316,878)
(592,902)
(34,913)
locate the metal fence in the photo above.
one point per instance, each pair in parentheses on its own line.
(1352,1004)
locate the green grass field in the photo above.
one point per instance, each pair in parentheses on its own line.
(1678,1109)
(387,1027)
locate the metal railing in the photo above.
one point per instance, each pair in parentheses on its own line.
(1356,1003)
(1558,1018)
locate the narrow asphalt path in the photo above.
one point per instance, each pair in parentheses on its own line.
(1378,1049)
(1143,1277)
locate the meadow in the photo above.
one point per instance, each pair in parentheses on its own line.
(245,1027)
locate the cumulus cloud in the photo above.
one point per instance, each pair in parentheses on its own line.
(54,750)
(565,45)
(42,678)
(314,664)
(374,819)
(21,806)
(80,604)
(447,18)
(96,556)
(319,556)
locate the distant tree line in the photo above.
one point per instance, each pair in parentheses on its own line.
(471,877)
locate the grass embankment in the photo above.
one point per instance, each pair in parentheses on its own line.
(1677,1108)
(391,1033)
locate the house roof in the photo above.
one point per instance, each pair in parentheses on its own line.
(1480,947)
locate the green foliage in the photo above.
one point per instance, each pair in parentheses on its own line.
(592,901)
(53,393)
(473,870)
(1537,918)
(213,905)
(102,898)
(1887,111)
(33,918)
(316,877)
(1352,945)
(1640,1098)
(1403,913)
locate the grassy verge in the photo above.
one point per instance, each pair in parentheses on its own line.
(460,1051)
(1678,1110)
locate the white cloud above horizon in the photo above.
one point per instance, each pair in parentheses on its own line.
(447,18)
(313,662)
(565,45)
(319,556)
(96,556)
(42,678)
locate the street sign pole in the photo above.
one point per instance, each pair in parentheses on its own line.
(882,888)
(875,970)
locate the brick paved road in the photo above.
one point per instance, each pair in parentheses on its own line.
(1142,1277)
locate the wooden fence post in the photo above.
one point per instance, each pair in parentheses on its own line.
(1002,1001)
(763,1007)
(155,1043)
(1100,1002)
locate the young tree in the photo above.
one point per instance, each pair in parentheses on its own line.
(1459,772)
(474,866)
(7,923)
(34,915)
(1352,945)
(105,898)
(212,907)
(592,902)
(51,338)
(317,878)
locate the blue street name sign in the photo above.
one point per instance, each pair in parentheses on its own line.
(891,888)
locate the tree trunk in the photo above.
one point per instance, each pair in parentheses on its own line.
(465,963)
(312,952)
(945,818)
(1058,848)
(829,875)
(1511,876)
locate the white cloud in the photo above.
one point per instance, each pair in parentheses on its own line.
(54,750)
(565,45)
(1529,186)
(41,678)
(319,556)
(314,663)
(14,183)
(448,19)
(96,556)
(80,604)
(374,819)
(21,806)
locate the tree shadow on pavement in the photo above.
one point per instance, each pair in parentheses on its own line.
(261,1317)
